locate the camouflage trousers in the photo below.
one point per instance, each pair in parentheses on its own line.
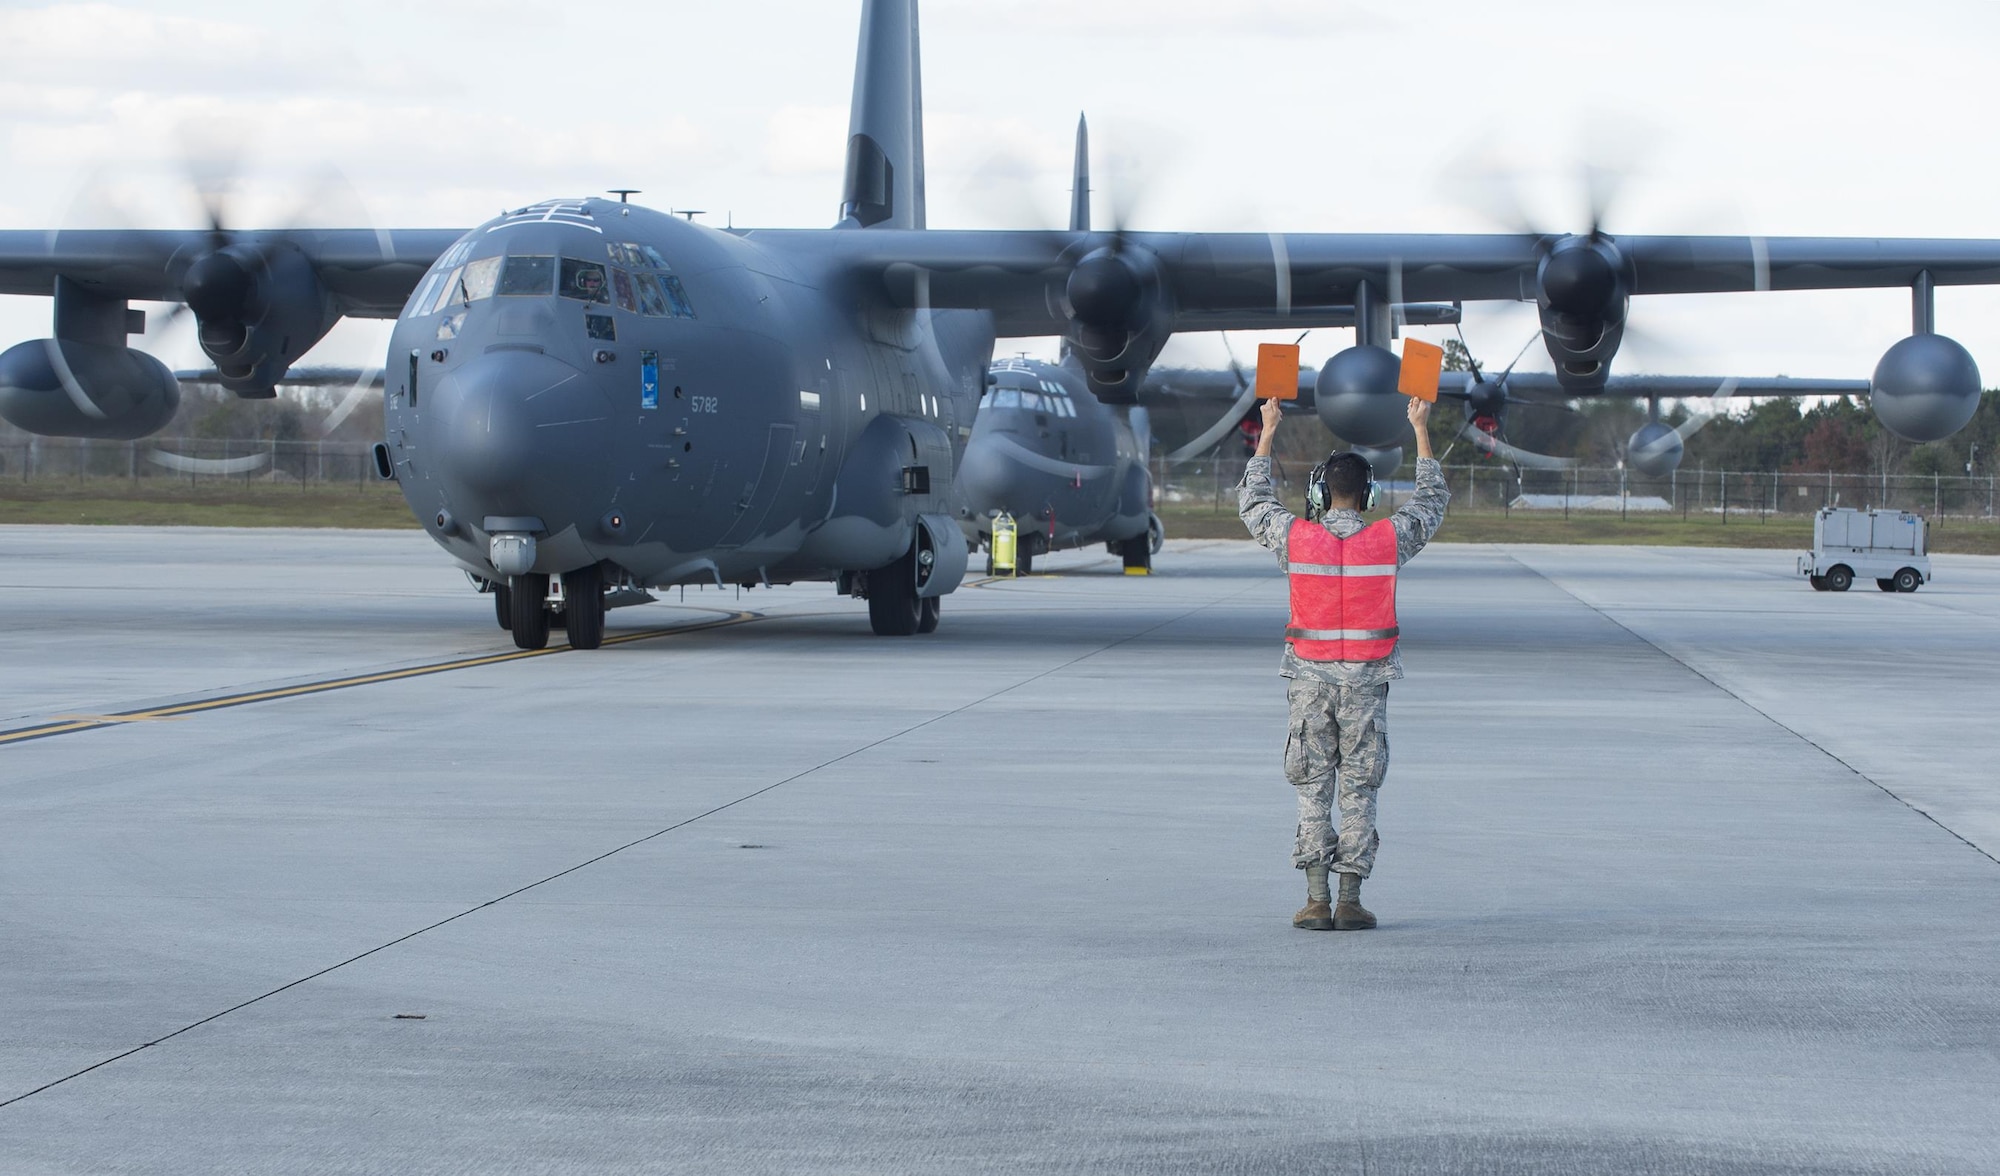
(1336,753)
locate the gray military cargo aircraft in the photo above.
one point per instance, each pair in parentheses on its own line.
(1069,469)
(610,398)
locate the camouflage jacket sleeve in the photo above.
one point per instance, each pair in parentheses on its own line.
(1418,519)
(1257,504)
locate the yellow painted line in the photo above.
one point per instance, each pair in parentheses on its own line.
(66,724)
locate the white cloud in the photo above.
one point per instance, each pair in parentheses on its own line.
(1268,114)
(805,140)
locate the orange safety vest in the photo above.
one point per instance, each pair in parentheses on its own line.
(1343,592)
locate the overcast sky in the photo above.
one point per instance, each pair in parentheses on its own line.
(1824,118)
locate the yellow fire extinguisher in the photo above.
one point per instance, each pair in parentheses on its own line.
(1003,543)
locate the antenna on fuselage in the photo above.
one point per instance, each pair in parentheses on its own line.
(624,194)
(689,213)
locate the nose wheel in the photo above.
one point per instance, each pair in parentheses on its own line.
(583,610)
(527,610)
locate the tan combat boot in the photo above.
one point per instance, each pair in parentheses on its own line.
(1348,913)
(1317,914)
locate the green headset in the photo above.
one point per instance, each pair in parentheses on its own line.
(1317,494)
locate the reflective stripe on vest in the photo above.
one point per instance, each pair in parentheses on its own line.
(1343,592)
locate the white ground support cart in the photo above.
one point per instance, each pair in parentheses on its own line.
(1886,546)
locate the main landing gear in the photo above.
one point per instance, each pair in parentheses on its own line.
(522,605)
(894,609)
(898,603)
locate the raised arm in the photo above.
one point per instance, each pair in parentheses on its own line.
(1257,499)
(1418,519)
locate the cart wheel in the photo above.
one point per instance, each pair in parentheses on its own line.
(1839,578)
(1907,580)
(1818,583)
(1886,585)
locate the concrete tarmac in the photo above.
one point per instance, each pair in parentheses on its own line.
(1685,868)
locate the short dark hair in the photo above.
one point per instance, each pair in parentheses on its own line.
(1347,477)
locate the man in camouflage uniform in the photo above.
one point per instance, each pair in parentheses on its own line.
(1337,748)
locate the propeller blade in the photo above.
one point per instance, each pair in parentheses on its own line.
(352,400)
(1716,404)
(1494,446)
(1220,429)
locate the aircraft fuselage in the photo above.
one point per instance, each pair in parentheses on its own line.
(684,404)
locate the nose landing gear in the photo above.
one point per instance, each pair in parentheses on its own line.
(583,608)
(528,610)
(523,607)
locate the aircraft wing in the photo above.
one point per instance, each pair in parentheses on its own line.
(368,272)
(1543,386)
(1235,277)
(314,376)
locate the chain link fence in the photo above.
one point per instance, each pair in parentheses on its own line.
(194,461)
(1205,485)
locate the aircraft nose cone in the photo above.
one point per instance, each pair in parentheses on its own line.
(985,475)
(515,426)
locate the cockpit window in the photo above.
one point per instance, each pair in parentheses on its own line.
(478,280)
(677,297)
(653,256)
(621,291)
(584,281)
(528,275)
(652,300)
(446,291)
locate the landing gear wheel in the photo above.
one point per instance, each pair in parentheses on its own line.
(503,605)
(1839,578)
(929,608)
(893,609)
(1886,585)
(584,590)
(1907,580)
(1024,561)
(527,598)
(1156,533)
(1818,583)
(1138,553)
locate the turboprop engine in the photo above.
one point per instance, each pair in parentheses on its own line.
(65,388)
(259,307)
(1583,289)
(1925,388)
(1356,397)
(1120,314)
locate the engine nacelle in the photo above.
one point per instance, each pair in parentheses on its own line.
(1356,397)
(1925,388)
(1120,317)
(63,388)
(1583,292)
(1655,450)
(258,310)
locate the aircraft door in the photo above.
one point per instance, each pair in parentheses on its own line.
(780,452)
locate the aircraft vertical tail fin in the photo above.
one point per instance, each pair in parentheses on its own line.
(1079,188)
(885,130)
